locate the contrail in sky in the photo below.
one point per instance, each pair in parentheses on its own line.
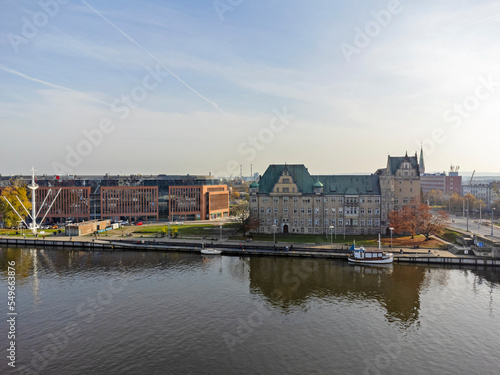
(215,105)
(45,83)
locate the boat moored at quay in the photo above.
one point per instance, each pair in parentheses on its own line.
(361,255)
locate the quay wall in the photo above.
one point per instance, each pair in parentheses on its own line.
(240,250)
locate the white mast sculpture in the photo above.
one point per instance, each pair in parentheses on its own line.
(34,214)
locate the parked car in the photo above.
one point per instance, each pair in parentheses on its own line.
(139,223)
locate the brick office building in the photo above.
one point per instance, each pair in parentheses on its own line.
(71,203)
(449,185)
(202,202)
(129,202)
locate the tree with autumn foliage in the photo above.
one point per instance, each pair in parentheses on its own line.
(418,219)
(251,223)
(455,203)
(433,224)
(434,197)
(9,217)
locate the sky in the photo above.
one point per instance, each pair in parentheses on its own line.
(199,87)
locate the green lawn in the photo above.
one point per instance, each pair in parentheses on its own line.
(366,240)
(312,238)
(451,236)
(12,232)
(199,230)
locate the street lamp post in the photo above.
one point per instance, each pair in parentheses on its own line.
(492,210)
(274,233)
(331,235)
(467,214)
(336,222)
(480,217)
(220,234)
(391,229)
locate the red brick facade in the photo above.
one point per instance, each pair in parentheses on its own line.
(198,202)
(138,202)
(72,202)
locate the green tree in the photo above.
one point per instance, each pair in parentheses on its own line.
(9,217)
(241,212)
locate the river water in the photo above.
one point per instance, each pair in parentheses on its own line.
(82,312)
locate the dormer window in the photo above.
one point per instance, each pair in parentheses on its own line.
(286,180)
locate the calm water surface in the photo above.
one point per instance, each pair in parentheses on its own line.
(172,313)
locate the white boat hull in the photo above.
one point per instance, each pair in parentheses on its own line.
(386,260)
(211,252)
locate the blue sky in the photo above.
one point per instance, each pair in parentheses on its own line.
(194,87)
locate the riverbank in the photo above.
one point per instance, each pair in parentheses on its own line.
(434,256)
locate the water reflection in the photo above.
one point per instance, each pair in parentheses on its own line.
(487,275)
(68,261)
(285,284)
(289,284)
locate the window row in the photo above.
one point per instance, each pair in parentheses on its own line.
(339,223)
(347,211)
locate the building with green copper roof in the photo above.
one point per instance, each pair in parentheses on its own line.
(288,199)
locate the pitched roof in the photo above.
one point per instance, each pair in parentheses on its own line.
(393,162)
(351,184)
(332,184)
(298,173)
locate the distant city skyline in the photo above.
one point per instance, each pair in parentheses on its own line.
(168,87)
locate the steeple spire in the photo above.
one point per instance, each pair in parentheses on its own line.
(421,165)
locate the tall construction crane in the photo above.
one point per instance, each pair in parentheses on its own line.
(471,177)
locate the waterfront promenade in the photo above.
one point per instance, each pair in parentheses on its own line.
(235,248)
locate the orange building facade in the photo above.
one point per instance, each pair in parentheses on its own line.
(198,202)
(137,202)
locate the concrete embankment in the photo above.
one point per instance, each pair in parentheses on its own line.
(244,249)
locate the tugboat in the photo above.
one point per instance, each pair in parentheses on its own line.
(361,255)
